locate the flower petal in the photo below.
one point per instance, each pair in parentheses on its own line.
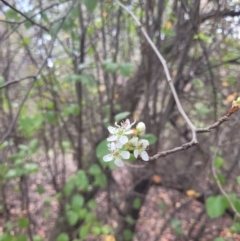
(119,162)
(118,145)
(145,143)
(123,140)
(108,158)
(135,153)
(112,129)
(134,141)
(129,132)
(113,146)
(125,154)
(144,156)
(112,138)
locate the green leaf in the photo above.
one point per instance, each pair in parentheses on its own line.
(69,187)
(216,206)
(33,145)
(1,81)
(106,230)
(25,41)
(219,239)
(9,225)
(126,69)
(238,180)
(23,222)
(37,238)
(50,117)
(102,150)
(72,109)
(84,230)
(92,204)
(90,4)
(127,235)
(12,15)
(137,203)
(96,230)
(82,213)
(176,226)
(87,80)
(94,169)
(100,180)
(66,144)
(237,204)
(28,125)
(63,237)
(218,162)
(72,218)
(201,108)
(47,201)
(77,201)
(150,137)
(235,228)
(40,189)
(20,238)
(221,178)
(12,173)
(198,83)
(121,116)
(82,180)
(31,167)
(109,66)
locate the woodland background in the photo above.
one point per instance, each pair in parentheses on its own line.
(71,68)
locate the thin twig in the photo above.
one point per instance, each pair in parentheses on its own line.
(169,79)
(191,144)
(6,136)
(221,187)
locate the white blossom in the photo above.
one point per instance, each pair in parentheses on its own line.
(120,133)
(140,148)
(120,146)
(116,154)
(141,127)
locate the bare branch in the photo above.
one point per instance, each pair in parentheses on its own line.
(200,130)
(169,79)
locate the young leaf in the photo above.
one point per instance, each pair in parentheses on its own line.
(109,66)
(137,203)
(72,218)
(127,234)
(218,162)
(126,69)
(94,169)
(62,237)
(216,206)
(23,222)
(121,116)
(238,179)
(150,137)
(77,201)
(219,239)
(84,230)
(90,5)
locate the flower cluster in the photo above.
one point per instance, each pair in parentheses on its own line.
(121,145)
(235,106)
(236,103)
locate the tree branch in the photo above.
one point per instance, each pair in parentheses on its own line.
(169,79)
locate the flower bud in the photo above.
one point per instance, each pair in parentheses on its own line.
(141,127)
(238,101)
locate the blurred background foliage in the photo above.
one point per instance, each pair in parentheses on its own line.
(71,68)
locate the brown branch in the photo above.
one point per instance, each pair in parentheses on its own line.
(219,14)
(24,15)
(185,146)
